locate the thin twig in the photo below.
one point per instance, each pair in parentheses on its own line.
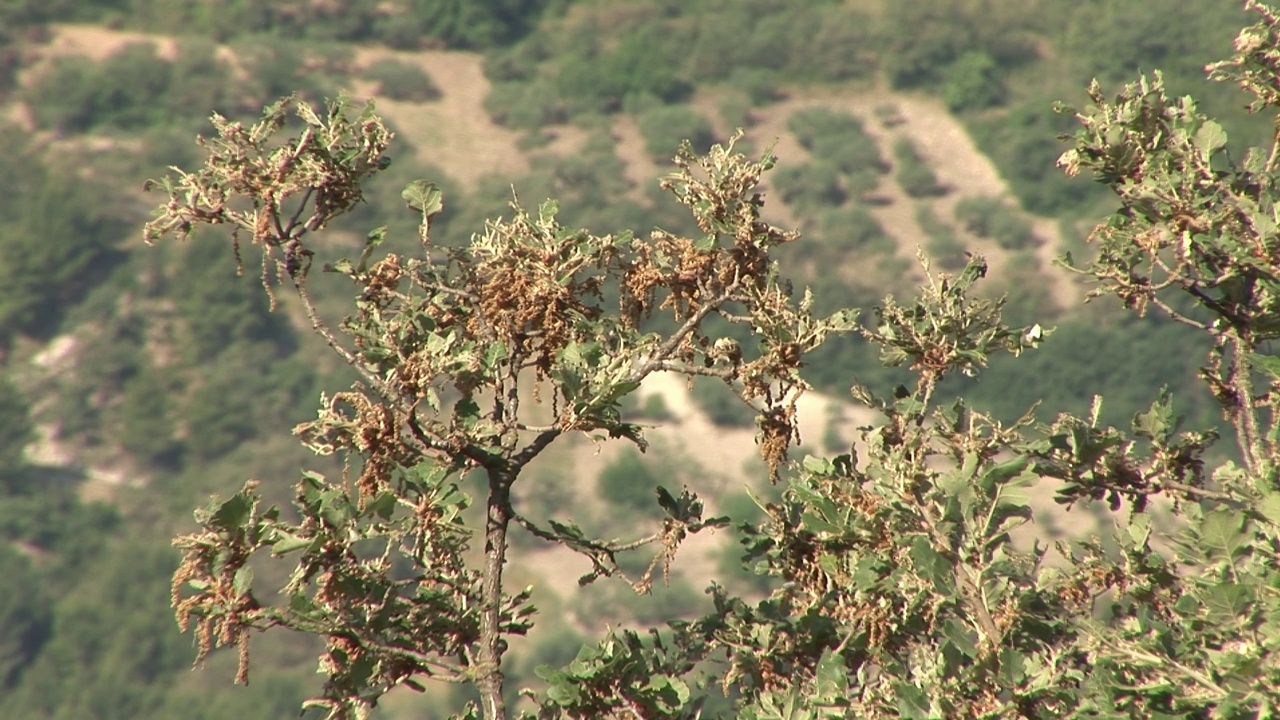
(724,373)
(1199,492)
(1177,316)
(293,221)
(1246,420)
(379,384)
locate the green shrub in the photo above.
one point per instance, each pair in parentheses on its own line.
(16,428)
(628,484)
(975,214)
(860,184)
(833,442)
(736,110)
(889,115)
(854,231)
(971,83)
(401,81)
(1012,231)
(547,495)
(655,408)
(600,81)
(720,404)
(527,106)
(759,84)
(814,125)
(57,244)
(663,128)
(914,175)
(517,63)
(809,187)
(216,416)
(616,603)
(146,421)
(991,217)
(135,89)
(534,140)
(837,138)
(1021,144)
(26,614)
(945,249)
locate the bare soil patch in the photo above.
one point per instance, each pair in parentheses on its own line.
(941,140)
(454,132)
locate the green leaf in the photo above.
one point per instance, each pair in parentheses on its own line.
(832,676)
(962,637)
(1012,667)
(867,573)
(425,475)
(1210,138)
(818,525)
(1158,422)
(582,354)
(1270,507)
(382,506)
(496,353)
(1221,531)
(302,604)
(569,530)
(335,509)
(817,465)
(997,475)
(681,690)
(1268,364)
(548,210)
(423,196)
(371,241)
(913,704)
(1227,603)
(286,543)
(242,580)
(563,693)
(342,267)
(932,565)
(232,514)
(667,502)
(467,411)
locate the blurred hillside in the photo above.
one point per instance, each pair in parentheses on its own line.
(137,381)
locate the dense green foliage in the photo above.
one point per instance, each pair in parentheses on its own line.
(992,218)
(473,24)
(399,80)
(41,278)
(135,89)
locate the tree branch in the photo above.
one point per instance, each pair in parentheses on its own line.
(531,451)
(669,346)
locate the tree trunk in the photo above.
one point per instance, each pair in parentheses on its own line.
(489,678)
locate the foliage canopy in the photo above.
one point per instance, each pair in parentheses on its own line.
(903,593)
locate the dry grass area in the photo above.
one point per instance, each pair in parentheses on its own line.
(454,131)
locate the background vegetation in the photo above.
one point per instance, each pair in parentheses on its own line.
(156,391)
